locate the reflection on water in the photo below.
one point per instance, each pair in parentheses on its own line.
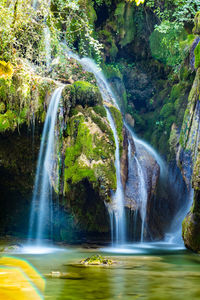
(148,271)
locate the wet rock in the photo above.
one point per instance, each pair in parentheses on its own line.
(196,29)
(97,260)
(130,120)
(11,248)
(191,225)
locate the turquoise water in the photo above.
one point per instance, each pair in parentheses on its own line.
(151,271)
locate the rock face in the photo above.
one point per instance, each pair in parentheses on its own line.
(191,224)
(85,152)
(140,161)
(188,158)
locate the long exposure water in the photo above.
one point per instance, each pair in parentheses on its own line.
(41,202)
(150,271)
(118,197)
(116,210)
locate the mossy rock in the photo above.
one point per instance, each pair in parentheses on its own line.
(196,172)
(191,231)
(83,93)
(90,146)
(196,29)
(96,260)
(197,56)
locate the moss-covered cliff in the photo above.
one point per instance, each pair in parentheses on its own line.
(188,151)
(85,149)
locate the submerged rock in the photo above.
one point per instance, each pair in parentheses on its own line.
(63,275)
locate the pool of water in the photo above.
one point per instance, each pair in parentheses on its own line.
(155,271)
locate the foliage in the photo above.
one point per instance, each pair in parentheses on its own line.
(6,70)
(165,43)
(172,16)
(75,19)
(23,29)
(138,2)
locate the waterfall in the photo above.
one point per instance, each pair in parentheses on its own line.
(118,197)
(137,192)
(47,43)
(150,150)
(34,4)
(174,236)
(41,210)
(139,165)
(117,209)
(138,161)
(143,197)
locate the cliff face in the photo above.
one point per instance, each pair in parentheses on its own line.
(188,154)
(190,164)
(85,149)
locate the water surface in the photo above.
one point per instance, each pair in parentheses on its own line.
(148,271)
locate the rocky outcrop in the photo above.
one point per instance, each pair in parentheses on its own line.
(85,150)
(143,174)
(188,156)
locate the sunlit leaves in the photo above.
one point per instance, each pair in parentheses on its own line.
(6,70)
(138,2)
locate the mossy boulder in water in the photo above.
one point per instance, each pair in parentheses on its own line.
(96,260)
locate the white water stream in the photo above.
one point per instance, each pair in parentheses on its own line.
(41,211)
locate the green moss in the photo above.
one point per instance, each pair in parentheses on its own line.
(8,121)
(108,40)
(196,29)
(112,71)
(83,93)
(197,56)
(126,28)
(100,110)
(196,173)
(96,260)
(85,148)
(167,110)
(176,91)
(100,123)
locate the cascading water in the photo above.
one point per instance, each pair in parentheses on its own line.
(47,42)
(137,192)
(90,66)
(117,212)
(174,236)
(143,197)
(118,197)
(141,151)
(151,151)
(139,163)
(41,211)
